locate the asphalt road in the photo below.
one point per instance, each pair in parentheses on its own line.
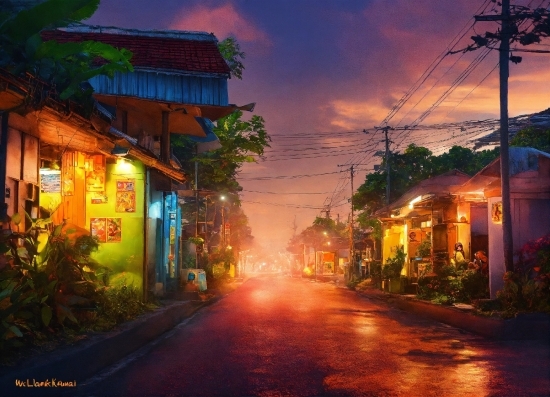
(283,336)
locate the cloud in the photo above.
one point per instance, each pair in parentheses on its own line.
(223,21)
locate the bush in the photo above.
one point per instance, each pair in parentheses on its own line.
(393,266)
(448,286)
(119,305)
(527,288)
(41,293)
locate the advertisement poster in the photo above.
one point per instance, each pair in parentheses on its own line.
(98,229)
(496,212)
(98,198)
(114,230)
(125,202)
(50,181)
(95,173)
(126,185)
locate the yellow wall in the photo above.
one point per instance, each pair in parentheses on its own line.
(392,237)
(124,258)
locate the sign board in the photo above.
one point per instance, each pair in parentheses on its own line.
(50,181)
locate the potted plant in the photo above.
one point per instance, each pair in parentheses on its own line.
(424,249)
(392,269)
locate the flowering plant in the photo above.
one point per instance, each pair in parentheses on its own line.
(535,254)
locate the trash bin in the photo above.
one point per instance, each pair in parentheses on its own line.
(194,276)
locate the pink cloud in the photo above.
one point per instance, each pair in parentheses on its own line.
(223,21)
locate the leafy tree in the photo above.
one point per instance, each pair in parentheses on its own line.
(63,66)
(240,140)
(316,235)
(231,52)
(414,165)
(534,137)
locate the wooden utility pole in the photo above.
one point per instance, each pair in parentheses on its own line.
(504,65)
(387,160)
(351,240)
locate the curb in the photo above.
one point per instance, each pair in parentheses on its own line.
(80,363)
(526,326)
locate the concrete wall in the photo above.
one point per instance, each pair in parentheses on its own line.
(496,249)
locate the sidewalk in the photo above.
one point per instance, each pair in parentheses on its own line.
(527,326)
(79,362)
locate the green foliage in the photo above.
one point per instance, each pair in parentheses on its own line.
(534,137)
(120,304)
(393,266)
(318,234)
(40,291)
(409,168)
(521,293)
(449,285)
(424,249)
(63,66)
(231,52)
(240,140)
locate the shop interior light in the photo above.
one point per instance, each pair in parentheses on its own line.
(413,201)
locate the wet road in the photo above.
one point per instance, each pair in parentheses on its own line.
(282,336)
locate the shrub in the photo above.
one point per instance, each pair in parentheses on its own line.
(449,285)
(39,292)
(120,304)
(527,288)
(393,266)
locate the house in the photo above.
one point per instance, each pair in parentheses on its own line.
(529,204)
(62,165)
(114,174)
(428,212)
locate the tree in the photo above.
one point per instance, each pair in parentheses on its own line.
(63,66)
(240,140)
(415,164)
(534,137)
(321,231)
(231,52)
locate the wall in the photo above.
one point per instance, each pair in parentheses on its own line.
(125,258)
(393,237)
(496,249)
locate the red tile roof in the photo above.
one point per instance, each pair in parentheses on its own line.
(156,50)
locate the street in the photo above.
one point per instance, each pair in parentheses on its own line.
(282,336)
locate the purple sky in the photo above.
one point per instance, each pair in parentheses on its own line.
(317,66)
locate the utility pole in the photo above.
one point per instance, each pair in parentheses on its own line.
(387,158)
(504,65)
(351,240)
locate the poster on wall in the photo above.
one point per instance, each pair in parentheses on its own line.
(114,230)
(68,175)
(125,202)
(98,229)
(95,173)
(125,185)
(50,181)
(99,198)
(496,212)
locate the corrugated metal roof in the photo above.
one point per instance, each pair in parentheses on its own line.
(175,51)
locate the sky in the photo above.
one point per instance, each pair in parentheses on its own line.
(323,71)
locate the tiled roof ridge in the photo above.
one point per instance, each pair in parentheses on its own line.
(165,33)
(183,53)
